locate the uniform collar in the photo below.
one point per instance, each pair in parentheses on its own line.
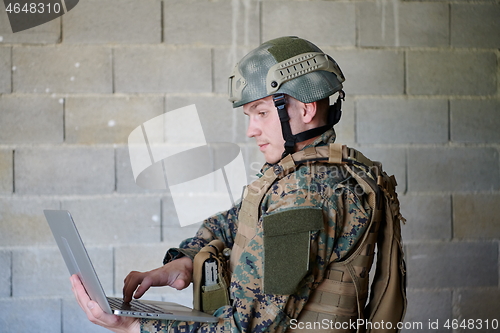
(324,139)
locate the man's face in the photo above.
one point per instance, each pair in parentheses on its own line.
(264,125)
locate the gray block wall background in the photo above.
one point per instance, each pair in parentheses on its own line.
(423,97)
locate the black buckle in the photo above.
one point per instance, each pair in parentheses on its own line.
(279,100)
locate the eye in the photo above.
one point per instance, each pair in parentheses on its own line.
(262,113)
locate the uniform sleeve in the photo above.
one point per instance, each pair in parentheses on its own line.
(221,226)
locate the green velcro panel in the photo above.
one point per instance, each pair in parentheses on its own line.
(285,48)
(293,221)
(286,247)
(213,297)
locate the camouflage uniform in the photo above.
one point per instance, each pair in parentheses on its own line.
(345,213)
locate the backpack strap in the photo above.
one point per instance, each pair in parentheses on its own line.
(388,292)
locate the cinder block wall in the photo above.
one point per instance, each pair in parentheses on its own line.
(422,97)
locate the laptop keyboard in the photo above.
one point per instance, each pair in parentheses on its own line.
(134,306)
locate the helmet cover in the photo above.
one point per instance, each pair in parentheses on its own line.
(288,65)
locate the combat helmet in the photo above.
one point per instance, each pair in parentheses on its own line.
(288,66)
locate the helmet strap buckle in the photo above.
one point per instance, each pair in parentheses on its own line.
(280,104)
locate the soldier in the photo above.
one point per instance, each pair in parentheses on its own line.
(296,256)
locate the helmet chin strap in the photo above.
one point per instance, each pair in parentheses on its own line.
(334,114)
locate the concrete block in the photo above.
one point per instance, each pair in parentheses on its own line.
(123,21)
(393,162)
(74,319)
(142,258)
(453,169)
(476,216)
(67,170)
(475,120)
(450,73)
(169,214)
(42,272)
(46,33)
(175,235)
(172,232)
(107,119)
(162,69)
(220,122)
(334,23)
(371,72)
(212,22)
(39,272)
(5,274)
(428,216)
(477,304)
(426,306)
(62,69)
(125,182)
(475,25)
(44,316)
(224,60)
(5,70)
(394,23)
(22,221)
(6,171)
(397,120)
(116,220)
(452,265)
(30,119)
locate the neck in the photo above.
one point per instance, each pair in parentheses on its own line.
(301,145)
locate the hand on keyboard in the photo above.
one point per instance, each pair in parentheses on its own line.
(177,274)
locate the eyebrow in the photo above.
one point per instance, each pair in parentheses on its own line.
(257,103)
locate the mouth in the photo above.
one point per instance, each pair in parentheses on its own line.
(263,146)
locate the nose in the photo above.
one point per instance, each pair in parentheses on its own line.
(253,129)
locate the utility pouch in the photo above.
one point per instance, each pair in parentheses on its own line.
(287,247)
(210,278)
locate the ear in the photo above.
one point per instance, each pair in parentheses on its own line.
(309,111)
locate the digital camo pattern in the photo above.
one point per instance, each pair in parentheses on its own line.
(346,214)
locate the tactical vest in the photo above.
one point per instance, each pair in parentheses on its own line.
(340,298)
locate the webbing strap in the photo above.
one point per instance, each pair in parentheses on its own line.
(328,309)
(335,153)
(325,297)
(335,274)
(280,104)
(332,286)
(358,156)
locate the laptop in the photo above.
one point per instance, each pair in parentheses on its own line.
(78,262)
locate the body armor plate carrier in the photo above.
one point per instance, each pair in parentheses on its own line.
(342,295)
